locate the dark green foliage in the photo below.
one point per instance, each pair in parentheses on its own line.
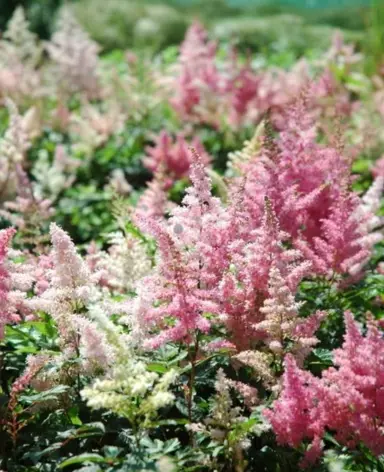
(39,13)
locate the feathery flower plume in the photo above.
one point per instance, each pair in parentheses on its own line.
(297,414)
(75,56)
(27,212)
(125,263)
(20,54)
(347,399)
(192,250)
(128,388)
(52,178)
(282,322)
(348,233)
(7,313)
(173,158)
(153,202)
(70,286)
(198,82)
(246,287)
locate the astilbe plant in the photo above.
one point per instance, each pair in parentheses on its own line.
(126,262)
(221,286)
(198,82)
(75,57)
(16,280)
(13,148)
(88,344)
(309,185)
(258,302)
(153,202)
(245,287)
(52,178)
(17,418)
(207,91)
(294,172)
(28,212)
(65,293)
(347,399)
(94,125)
(226,93)
(212,269)
(7,314)
(173,157)
(242,89)
(348,235)
(20,55)
(128,388)
(191,247)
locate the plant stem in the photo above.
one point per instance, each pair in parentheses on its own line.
(192,357)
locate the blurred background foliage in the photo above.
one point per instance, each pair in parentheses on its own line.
(156,23)
(284,27)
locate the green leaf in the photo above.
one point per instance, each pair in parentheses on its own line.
(157,367)
(80,459)
(50,394)
(73,414)
(92,426)
(324,355)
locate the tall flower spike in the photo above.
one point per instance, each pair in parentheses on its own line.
(283,324)
(70,284)
(16,141)
(347,399)
(6,312)
(198,82)
(295,415)
(95,352)
(173,158)
(70,270)
(192,255)
(369,221)
(201,226)
(75,56)
(243,89)
(20,40)
(299,176)
(125,263)
(153,203)
(280,310)
(20,54)
(346,241)
(245,288)
(26,212)
(13,149)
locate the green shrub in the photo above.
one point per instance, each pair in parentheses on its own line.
(39,13)
(111,23)
(160,27)
(279,33)
(374,41)
(121,24)
(260,33)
